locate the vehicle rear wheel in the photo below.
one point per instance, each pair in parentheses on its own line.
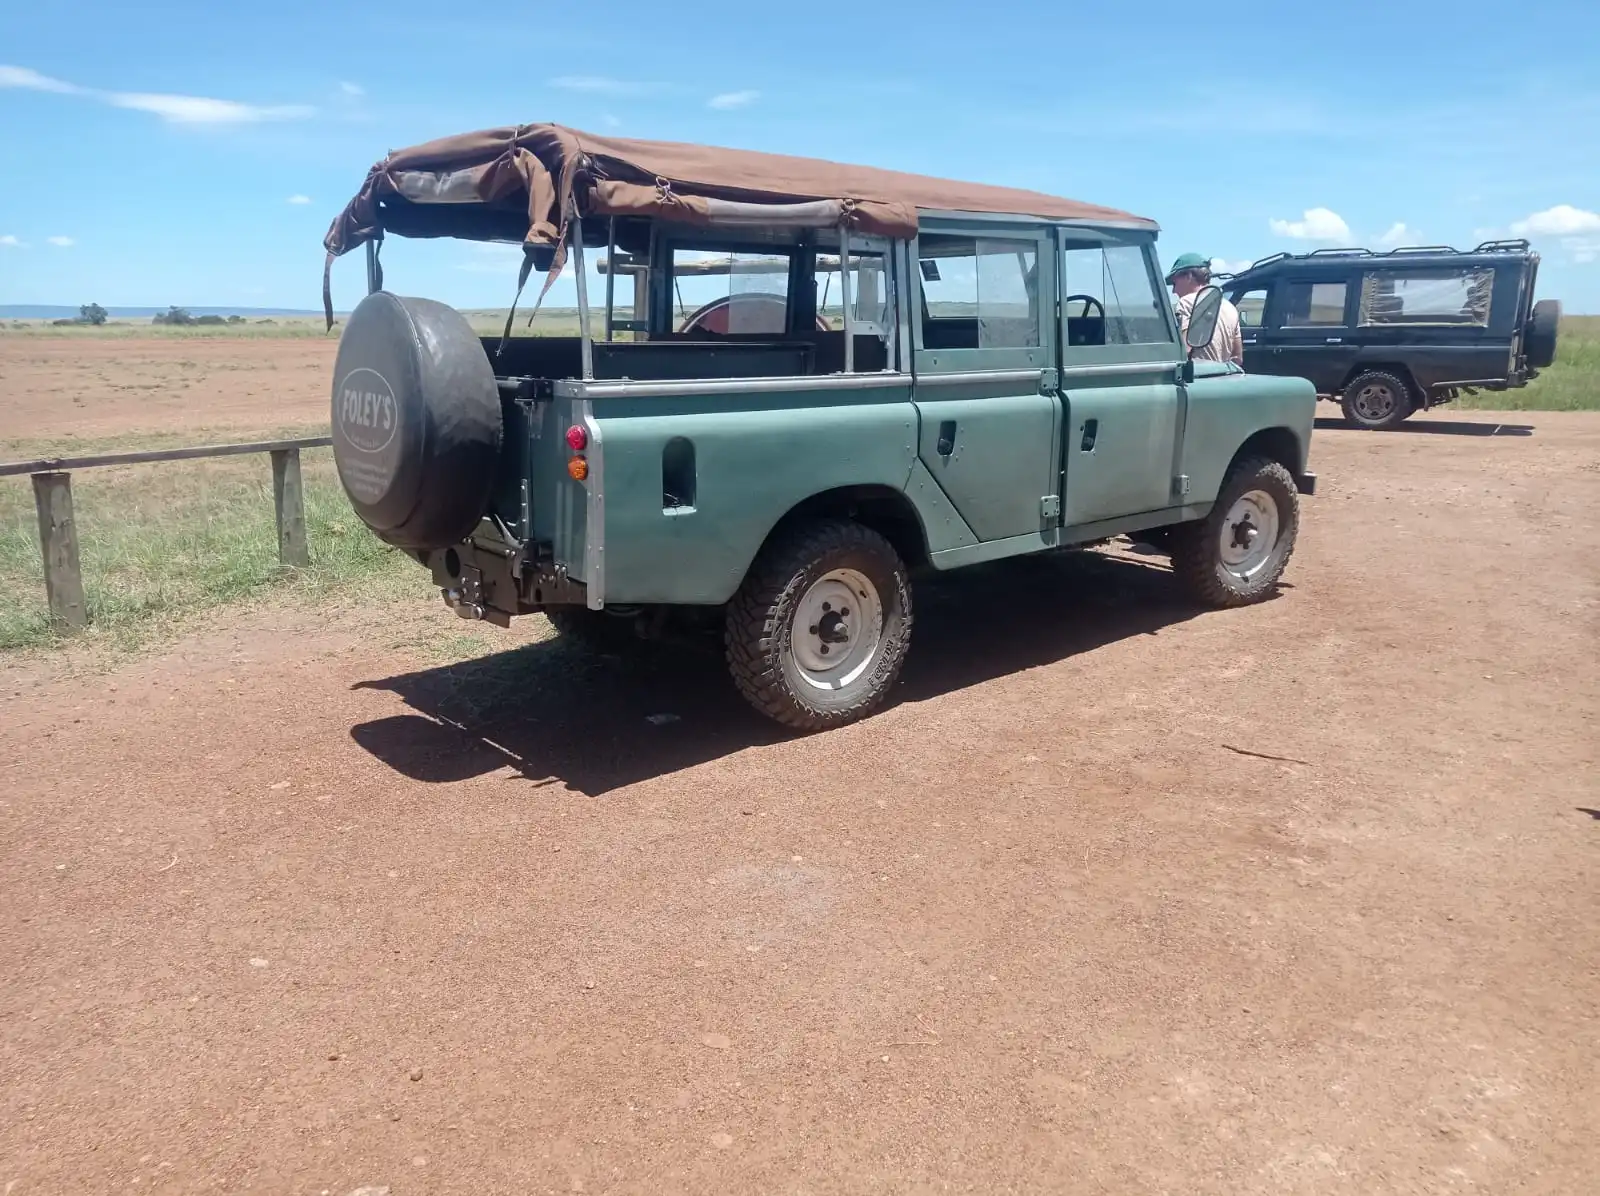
(817,633)
(1376,400)
(1539,341)
(1236,554)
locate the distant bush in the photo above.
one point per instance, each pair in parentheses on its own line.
(173,315)
(65,323)
(92,313)
(209,321)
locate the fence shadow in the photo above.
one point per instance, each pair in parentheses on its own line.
(1423,426)
(557,712)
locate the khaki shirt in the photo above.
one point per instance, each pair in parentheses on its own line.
(1227,343)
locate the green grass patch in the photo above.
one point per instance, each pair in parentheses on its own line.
(1571,384)
(165,542)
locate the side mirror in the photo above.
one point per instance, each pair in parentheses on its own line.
(1203,318)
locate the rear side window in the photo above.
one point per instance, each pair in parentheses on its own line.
(1454,297)
(1111,298)
(978,294)
(1314,304)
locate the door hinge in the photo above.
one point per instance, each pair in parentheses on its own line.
(1049,381)
(1050,506)
(1180,485)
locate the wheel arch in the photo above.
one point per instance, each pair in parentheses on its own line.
(1279,444)
(885,510)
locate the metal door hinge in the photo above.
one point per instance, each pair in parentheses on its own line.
(1049,381)
(1050,507)
(1180,485)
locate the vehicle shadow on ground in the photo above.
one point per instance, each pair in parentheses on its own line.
(558,712)
(1437,427)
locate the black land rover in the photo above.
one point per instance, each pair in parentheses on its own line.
(1387,334)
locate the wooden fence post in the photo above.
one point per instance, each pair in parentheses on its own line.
(58,538)
(288,500)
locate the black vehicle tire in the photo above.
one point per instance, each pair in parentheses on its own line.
(822,589)
(1377,401)
(593,629)
(1539,341)
(416,421)
(1217,560)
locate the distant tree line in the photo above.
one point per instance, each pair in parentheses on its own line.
(89,313)
(181,316)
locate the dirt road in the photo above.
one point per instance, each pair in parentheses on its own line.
(288,910)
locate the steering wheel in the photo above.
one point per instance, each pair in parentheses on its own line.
(1087,301)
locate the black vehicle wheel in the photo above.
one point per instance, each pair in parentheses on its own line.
(1376,400)
(817,633)
(1236,554)
(1539,341)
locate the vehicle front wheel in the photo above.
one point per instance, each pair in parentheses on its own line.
(1376,400)
(1237,553)
(817,633)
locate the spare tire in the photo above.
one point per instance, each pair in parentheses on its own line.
(1539,341)
(416,421)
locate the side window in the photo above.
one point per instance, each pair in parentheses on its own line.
(1314,304)
(978,294)
(1456,297)
(730,293)
(871,296)
(1110,297)
(1252,307)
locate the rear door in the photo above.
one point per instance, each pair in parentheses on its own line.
(1252,304)
(1310,329)
(988,410)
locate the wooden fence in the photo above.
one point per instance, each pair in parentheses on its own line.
(58,537)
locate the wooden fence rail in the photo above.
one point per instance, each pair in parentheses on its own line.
(58,537)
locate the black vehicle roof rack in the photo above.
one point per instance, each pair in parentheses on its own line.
(1510,245)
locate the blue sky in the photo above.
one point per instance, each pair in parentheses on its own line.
(159,152)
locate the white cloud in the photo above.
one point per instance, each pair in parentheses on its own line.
(175,109)
(1221,265)
(61,242)
(298,200)
(199,110)
(599,85)
(352,89)
(730,100)
(21,76)
(1318,224)
(1398,234)
(1563,220)
(9,241)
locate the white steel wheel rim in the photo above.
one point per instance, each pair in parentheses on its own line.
(1375,401)
(1249,534)
(838,627)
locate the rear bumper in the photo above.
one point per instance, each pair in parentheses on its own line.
(1306,482)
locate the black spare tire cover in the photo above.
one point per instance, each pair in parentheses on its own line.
(1539,342)
(416,421)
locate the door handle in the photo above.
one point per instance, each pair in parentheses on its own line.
(947,437)
(1091,429)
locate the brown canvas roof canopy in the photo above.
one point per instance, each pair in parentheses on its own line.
(525,183)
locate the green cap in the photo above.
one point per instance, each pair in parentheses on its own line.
(1189,261)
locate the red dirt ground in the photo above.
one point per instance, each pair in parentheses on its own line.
(97,386)
(287,909)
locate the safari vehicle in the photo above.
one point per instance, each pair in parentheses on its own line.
(1389,334)
(891,374)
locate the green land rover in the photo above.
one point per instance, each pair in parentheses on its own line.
(873,374)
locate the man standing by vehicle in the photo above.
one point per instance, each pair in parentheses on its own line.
(1188,276)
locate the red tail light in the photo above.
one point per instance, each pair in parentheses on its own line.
(577,438)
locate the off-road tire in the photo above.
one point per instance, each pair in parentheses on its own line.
(759,625)
(1539,341)
(1404,404)
(1197,546)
